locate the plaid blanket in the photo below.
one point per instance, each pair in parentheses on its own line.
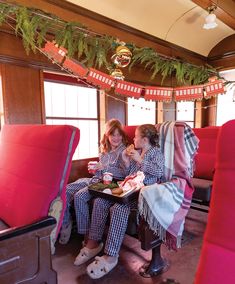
(164,206)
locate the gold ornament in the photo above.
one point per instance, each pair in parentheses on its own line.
(117,74)
(213,79)
(122,57)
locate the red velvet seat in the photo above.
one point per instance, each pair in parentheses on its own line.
(34,167)
(217,258)
(204,166)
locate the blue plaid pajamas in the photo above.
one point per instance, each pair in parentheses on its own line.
(113,163)
(152,166)
(119,214)
(71,189)
(81,206)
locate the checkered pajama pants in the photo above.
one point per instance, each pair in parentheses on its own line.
(71,190)
(119,214)
(81,207)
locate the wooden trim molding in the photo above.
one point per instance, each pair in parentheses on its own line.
(31,63)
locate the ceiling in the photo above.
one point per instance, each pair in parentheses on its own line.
(176,21)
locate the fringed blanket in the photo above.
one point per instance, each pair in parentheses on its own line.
(164,206)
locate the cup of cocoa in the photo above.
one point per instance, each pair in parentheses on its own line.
(92,167)
(107,178)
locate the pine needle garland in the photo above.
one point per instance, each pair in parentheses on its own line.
(93,49)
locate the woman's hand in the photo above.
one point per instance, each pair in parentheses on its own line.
(135,155)
(99,166)
(93,167)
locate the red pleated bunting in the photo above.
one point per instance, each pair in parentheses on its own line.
(158,94)
(100,79)
(188,93)
(128,89)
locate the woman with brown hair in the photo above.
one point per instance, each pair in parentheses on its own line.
(113,143)
(146,157)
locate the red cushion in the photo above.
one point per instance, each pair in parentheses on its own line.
(130,131)
(216,265)
(205,158)
(34,167)
(204,166)
(218,254)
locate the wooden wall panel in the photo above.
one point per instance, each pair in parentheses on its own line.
(22,90)
(13,52)
(116,109)
(222,55)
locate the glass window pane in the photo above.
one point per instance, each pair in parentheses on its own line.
(56,94)
(185,111)
(88,145)
(226,102)
(87,106)
(141,111)
(71,102)
(65,102)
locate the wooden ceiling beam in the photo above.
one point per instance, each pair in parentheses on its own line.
(225,10)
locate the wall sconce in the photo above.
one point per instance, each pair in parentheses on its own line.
(210,19)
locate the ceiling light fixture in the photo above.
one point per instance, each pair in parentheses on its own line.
(210,19)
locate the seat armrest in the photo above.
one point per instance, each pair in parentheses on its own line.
(202,188)
(17,231)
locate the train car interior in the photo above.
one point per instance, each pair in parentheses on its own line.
(117,157)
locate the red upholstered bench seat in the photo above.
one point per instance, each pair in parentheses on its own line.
(34,167)
(204,164)
(217,258)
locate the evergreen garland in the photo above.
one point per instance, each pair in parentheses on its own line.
(92,49)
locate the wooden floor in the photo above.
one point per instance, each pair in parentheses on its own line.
(182,268)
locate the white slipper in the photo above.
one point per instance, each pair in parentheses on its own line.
(86,254)
(65,233)
(100,267)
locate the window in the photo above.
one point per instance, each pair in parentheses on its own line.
(141,111)
(67,103)
(185,112)
(226,102)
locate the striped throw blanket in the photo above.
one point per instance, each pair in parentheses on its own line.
(164,206)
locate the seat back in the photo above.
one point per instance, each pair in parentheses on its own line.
(204,166)
(217,258)
(130,131)
(34,168)
(205,158)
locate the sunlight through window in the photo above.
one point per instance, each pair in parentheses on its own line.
(141,111)
(185,112)
(226,102)
(77,106)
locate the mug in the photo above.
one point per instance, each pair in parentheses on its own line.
(92,167)
(107,178)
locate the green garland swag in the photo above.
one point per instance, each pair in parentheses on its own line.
(93,49)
